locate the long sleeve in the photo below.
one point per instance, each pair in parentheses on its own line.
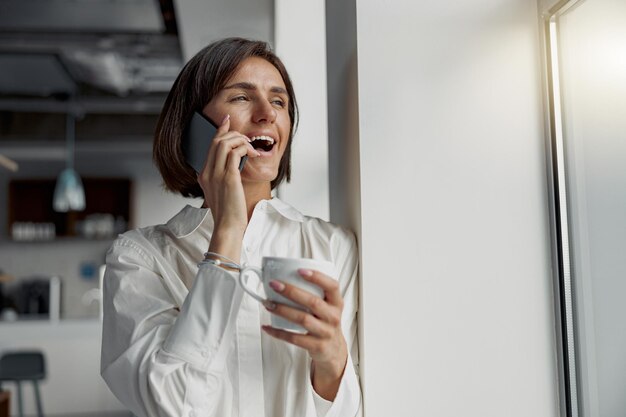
(348,401)
(160,358)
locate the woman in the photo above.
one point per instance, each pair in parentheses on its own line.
(180,338)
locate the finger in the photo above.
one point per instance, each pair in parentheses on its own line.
(304,341)
(237,143)
(234,157)
(315,304)
(311,323)
(326,283)
(224,126)
(217,141)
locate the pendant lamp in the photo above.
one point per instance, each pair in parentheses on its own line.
(69,194)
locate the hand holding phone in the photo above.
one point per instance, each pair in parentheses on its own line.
(197,139)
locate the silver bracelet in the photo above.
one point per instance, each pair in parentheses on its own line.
(221,264)
(217,255)
(226,262)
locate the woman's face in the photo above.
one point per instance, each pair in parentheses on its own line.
(256,99)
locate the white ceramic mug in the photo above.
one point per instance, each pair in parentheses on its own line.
(285,270)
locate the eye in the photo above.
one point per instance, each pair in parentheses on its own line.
(278,102)
(239,98)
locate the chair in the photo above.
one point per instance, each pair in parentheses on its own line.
(20,367)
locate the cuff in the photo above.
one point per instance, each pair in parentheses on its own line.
(321,405)
(348,399)
(206,323)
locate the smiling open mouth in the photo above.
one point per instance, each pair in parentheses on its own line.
(265,143)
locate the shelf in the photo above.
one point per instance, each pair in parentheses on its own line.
(30,201)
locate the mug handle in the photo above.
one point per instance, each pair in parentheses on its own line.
(242,273)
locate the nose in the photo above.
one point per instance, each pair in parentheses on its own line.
(264,112)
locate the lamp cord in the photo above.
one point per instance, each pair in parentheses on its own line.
(70,137)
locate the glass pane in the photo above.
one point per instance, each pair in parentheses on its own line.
(592,55)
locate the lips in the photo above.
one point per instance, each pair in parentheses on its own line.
(262,142)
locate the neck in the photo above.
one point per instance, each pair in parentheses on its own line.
(254,193)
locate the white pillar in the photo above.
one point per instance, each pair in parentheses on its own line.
(457,313)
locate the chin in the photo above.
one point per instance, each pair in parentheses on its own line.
(259,175)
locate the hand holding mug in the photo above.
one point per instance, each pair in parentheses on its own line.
(307,314)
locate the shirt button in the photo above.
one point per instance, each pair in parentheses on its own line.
(204,354)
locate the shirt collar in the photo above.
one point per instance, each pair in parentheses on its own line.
(280,207)
(190,218)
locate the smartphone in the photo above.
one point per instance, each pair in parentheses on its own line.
(197,139)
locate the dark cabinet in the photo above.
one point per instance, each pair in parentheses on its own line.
(107,200)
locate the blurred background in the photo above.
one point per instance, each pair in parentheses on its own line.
(81,85)
(427,128)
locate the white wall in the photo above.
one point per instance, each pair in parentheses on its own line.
(152,204)
(457,314)
(304,54)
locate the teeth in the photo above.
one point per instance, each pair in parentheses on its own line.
(265,138)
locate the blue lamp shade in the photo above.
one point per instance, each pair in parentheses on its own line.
(69,194)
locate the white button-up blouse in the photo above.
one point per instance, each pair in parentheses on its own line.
(182,338)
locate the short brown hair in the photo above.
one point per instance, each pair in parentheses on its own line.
(198,82)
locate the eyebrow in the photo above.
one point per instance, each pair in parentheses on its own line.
(250,86)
